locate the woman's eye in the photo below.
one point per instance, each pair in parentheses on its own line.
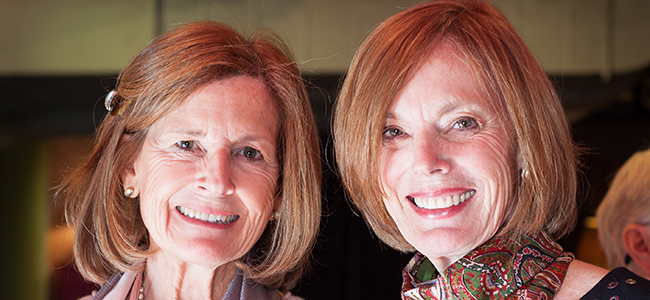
(250,153)
(392,132)
(465,123)
(186,145)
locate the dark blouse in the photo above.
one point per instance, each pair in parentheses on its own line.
(620,284)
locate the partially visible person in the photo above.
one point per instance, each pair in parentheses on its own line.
(204,182)
(623,217)
(453,144)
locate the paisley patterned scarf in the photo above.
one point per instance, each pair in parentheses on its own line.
(528,268)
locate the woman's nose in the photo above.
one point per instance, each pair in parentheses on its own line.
(429,157)
(215,176)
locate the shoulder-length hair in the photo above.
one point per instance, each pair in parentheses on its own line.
(110,235)
(627,202)
(513,82)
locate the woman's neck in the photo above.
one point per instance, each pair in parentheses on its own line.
(636,268)
(166,276)
(441,263)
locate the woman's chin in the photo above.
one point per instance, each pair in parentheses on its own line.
(445,243)
(206,253)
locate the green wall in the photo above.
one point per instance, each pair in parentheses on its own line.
(24,197)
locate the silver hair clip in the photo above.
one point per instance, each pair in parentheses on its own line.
(114,104)
(108,101)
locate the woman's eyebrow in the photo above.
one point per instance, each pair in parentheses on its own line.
(187,131)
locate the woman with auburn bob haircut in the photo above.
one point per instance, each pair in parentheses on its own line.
(204,181)
(452,142)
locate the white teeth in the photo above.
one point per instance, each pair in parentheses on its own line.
(442,202)
(216,219)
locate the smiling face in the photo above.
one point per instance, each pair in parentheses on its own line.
(446,162)
(207,172)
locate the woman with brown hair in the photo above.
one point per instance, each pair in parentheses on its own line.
(205,178)
(452,142)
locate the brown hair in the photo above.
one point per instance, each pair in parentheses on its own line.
(512,80)
(110,235)
(627,202)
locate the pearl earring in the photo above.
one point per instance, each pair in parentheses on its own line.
(128,192)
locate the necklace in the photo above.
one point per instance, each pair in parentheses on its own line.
(141,291)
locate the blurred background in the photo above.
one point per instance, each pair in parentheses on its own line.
(59,58)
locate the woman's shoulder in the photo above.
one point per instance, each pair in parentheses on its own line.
(118,287)
(580,278)
(586,281)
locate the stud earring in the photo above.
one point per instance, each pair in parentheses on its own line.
(274,216)
(128,192)
(524,173)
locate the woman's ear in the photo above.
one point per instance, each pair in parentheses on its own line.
(128,175)
(129,181)
(521,165)
(636,239)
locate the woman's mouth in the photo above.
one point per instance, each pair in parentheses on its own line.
(215,219)
(441,202)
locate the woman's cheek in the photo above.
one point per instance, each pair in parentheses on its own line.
(393,166)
